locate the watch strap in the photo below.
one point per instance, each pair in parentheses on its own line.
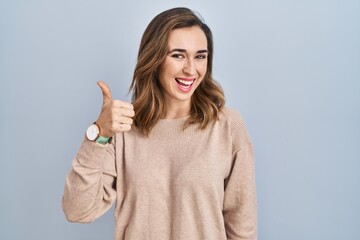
(102,140)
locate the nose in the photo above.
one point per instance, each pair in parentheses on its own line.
(189,67)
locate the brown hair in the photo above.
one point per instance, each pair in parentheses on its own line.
(148,99)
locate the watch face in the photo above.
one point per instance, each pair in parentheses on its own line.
(92,132)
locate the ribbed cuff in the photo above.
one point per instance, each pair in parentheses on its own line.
(91,154)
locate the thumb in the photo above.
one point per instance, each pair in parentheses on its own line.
(105,91)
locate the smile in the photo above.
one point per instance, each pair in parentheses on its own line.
(185,84)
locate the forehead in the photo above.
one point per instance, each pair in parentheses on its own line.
(189,38)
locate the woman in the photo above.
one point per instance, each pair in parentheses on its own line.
(178,164)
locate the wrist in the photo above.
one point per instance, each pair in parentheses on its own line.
(93,134)
(102,132)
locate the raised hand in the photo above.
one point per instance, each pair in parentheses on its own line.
(116,116)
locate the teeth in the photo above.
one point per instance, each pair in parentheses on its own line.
(185,82)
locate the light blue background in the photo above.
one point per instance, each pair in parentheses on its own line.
(292,68)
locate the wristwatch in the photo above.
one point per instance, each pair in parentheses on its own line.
(92,133)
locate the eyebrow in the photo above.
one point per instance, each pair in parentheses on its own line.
(184,50)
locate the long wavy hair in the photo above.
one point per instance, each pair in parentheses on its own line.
(148,99)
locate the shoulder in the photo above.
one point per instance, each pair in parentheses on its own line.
(236,126)
(233,118)
(230,114)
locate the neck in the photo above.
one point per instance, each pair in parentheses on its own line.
(177,110)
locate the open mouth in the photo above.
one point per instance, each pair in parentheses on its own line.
(185,84)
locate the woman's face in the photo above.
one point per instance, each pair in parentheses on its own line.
(184,66)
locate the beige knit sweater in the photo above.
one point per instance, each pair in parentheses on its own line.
(173,185)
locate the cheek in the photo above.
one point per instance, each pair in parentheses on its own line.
(168,70)
(202,64)
(202,68)
(163,72)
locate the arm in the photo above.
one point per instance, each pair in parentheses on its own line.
(90,185)
(240,197)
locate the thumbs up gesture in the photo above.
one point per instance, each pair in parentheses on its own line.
(116,116)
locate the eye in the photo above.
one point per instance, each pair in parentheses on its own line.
(178,56)
(201,56)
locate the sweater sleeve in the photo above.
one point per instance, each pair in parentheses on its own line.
(90,184)
(239,210)
(240,197)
